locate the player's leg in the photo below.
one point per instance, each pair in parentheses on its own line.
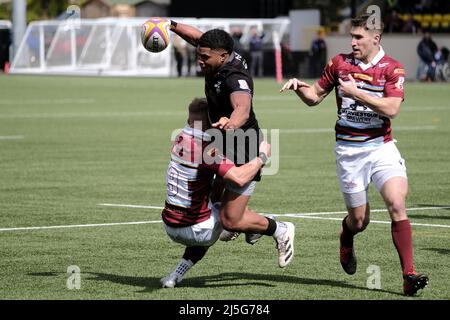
(190,257)
(252,238)
(197,239)
(353,172)
(232,214)
(216,194)
(394,194)
(392,183)
(356,221)
(235,216)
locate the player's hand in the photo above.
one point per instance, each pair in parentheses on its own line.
(264,146)
(348,88)
(294,84)
(222,123)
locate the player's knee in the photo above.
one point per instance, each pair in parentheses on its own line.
(359,224)
(231,218)
(396,207)
(228,222)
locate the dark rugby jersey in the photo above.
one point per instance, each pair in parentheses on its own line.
(233,77)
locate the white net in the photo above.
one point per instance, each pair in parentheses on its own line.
(112,46)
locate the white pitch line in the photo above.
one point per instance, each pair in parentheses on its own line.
(284,214)
(371,221)
(309,215)
(11,137)
(292,215)
(58,115)
(327,130)
(80,225)
(46,101)
(371,210)
(129,206)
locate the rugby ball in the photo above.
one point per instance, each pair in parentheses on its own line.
(155,34)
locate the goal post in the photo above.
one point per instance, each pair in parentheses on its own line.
(112,46)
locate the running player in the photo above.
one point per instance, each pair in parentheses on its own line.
(369,92)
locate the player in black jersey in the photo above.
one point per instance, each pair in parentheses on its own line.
(229,91)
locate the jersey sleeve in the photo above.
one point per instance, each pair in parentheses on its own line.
(239,82)
(220,165)
(224,167)
(395,80)
(328,79)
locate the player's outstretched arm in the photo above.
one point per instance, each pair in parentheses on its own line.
(311,95)
(245,173)
(189,33)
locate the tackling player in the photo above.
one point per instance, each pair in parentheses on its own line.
(229,91)
(369,91)
(189,217)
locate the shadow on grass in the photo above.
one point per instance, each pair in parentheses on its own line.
(427,217)
(439,250)
(44,274)
(221,280)
(431,217)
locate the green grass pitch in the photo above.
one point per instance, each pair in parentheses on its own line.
(69,144)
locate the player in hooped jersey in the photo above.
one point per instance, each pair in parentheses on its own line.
(369,91)
(229,91)
(189,217)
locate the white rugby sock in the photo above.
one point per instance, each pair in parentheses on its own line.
(280,230)
(182,267)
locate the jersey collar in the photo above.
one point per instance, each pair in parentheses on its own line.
(230,58)
(196,133)
(372,63)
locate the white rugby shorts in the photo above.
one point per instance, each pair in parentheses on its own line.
(246,190)
(356,167)
(202,234)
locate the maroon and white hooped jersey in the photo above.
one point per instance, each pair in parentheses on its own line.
(189,178)
(357,124)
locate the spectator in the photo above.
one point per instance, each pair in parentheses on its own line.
(441,57)
(180,51)
(393,22)
(426,50)
(5,42)
(410,26)
(236,34)
(317,55)
(256,53)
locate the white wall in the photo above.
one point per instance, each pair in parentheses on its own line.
(303,28)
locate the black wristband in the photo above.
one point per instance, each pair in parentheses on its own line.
(263,158)
(173,25)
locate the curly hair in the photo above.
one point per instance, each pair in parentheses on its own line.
(217,39)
